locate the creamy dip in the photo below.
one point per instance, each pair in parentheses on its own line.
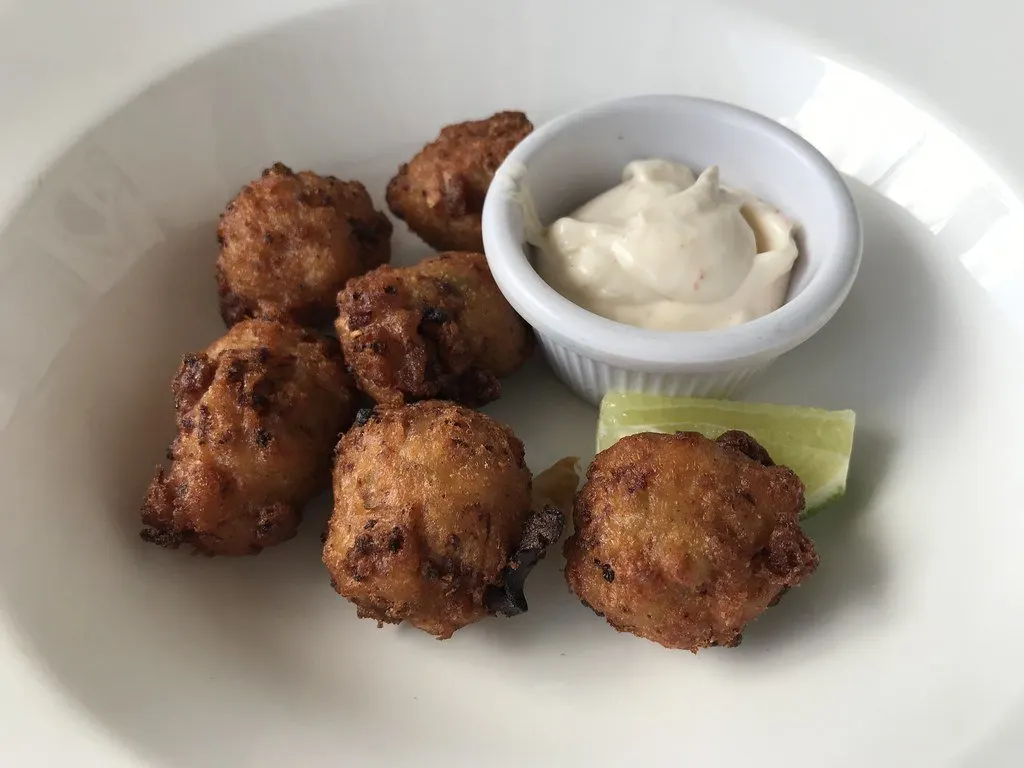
(665,250)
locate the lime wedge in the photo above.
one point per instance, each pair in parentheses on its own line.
(814,443)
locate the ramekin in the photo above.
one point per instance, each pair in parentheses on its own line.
(579,155)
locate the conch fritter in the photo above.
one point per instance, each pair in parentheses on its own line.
(290,241)
(439,329)
(258,414)
(440,192)
(684,540)
(433,521)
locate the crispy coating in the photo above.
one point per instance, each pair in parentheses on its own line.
(257,414)
(290,241)
(439,329)
(430,501)
(684,540)
(440,192)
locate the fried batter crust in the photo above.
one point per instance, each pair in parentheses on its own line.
(439,329)
(440,192)
(258,414)
(684,540)
(290,241)
(430,500)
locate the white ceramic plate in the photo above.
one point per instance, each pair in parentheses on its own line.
(903,648)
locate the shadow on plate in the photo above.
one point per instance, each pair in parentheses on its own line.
(874,354)
(853,568)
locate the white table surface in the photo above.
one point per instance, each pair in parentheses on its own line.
(66,63)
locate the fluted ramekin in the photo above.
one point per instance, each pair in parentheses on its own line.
(575,157)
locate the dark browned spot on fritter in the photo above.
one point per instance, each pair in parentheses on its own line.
(359,319)
(233,307)
(434,315)
(746,445)
(263,437)
(633,476)
(588,605)
(168,539)
(369,525)
(262,393)
(235,371)
(370,233)
(473,387)
(396,540)
(194,376)
(446,288)
(364,544)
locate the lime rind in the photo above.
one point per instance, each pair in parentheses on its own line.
(815,443)
(812,426)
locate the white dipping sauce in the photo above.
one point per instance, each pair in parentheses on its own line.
(666,251)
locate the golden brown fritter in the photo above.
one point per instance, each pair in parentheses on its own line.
(683,540)
(432,509)
(258,414)
(439,329)
(440,192)
(290,241)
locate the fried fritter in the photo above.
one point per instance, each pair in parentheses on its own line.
(684,540)
(290,241)
(440,192)
(439,329)
(432,511)
(258,414)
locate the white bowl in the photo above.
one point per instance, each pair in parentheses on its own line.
(115,654)
(574,157)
